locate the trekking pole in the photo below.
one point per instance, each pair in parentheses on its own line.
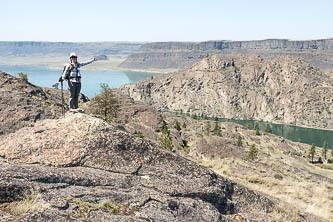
(62,99)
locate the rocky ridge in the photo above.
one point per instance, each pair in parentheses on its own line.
(22,103)
(284,90)
(179,55)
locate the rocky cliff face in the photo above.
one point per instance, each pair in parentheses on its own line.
(285,90)
(184,54)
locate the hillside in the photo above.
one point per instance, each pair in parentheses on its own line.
(179,55)
(281,169)
(282,90)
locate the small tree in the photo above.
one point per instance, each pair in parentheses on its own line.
(104,105)
(184,125)
(217,129)
(239,141)
(325,149)
(177,125)
(139,134)
(23,76)
(56,85)
(165,140)
(311,153)
(194,116)
(252,153)
(268,129)
(249,126)
(256,127)
(208,127)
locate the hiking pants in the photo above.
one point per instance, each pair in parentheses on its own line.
(74,92)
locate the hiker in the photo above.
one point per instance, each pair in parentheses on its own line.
(72,74)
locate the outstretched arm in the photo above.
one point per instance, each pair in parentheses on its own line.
(86,63)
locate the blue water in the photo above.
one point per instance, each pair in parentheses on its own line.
(91,80)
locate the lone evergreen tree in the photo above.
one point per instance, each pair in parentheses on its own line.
(311,153)
(249,126)
(325,149)
(217,129)
(23,76)
(177,125)
(239,141)
(256,127)
(104,105)
(208,127)
(268,129)
(165,140)
(252,153)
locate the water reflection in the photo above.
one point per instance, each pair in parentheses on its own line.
(293,133)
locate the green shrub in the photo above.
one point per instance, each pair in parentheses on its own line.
(252,153)
(324,150)
(23,76)
(104,105)
(217,129)
(165,140)
(256,127)
(55,86)
(312,152)
(268,129)
(239,141)
(207,127)
(249,126)
(278,176)
(177,125)
(139,134)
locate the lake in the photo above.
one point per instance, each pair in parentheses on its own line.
(90,79)
(293,133)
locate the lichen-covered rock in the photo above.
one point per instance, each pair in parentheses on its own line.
(82,168)
(22,103)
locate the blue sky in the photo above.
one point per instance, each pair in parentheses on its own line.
(168,20)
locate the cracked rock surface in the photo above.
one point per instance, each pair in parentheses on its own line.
(80,168)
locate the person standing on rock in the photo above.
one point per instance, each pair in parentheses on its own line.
(72,74)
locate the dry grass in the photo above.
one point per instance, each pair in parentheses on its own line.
(28,204)
(280,174)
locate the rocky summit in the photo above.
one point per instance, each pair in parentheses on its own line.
(284,90)
(22,103)
(82,168)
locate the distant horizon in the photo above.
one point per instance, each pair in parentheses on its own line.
(115,41)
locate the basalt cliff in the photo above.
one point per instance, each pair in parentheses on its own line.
(284,90)
(178,55)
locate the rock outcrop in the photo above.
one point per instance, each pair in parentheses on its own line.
(178,55)
(285,90)
(82,168)
(22,103)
